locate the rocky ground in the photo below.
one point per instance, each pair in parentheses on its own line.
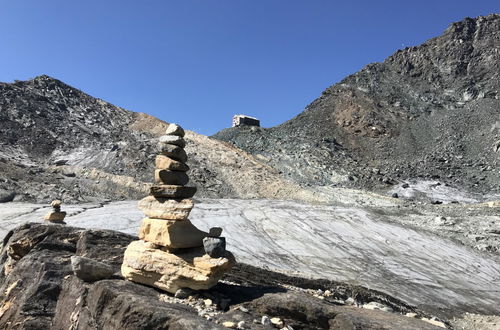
(248,298)
(384,245)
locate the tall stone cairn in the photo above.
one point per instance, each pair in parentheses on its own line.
(172,253)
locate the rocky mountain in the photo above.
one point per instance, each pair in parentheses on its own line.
(430,112)
(58,142)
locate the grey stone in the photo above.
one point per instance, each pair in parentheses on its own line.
(183,293)
(173,139)
(172,151)
(171,177)
(172,191)
(377,305)
(7,196)
(60,162)
(215,232)
(243,309)
(174,129)
(265,320)
(215,247)
(90,270)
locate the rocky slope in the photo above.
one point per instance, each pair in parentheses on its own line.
(57,141)
(57,299)
(427,112)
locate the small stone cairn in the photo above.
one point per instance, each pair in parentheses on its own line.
(56,216)
(172,253)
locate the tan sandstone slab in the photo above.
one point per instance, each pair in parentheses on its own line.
(163,162)
(55,216)
(190,268)
(174,234)
(165,208)
(172,191)
(171,177)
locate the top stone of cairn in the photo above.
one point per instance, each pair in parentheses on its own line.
(174,129)
(56,203)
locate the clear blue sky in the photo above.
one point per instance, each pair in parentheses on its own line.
(199,62)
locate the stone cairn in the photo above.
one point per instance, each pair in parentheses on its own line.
(172,253)
(56,216)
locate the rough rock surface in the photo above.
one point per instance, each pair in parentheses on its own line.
(172,191)
(163,208)
(170,272)
(165,163)
(174,234)
(55,216)
(171,177)
(394,249)
(215,246)
(426,112)
(90,270)
(39,292)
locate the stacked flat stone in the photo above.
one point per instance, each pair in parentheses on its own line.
(56,216)
(172,253)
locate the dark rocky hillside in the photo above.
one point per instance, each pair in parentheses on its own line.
(58,142)
(426,112)
(45,123)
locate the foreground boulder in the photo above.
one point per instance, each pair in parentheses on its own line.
(39,291)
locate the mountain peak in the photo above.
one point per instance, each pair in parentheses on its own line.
(48,80)
(409,115)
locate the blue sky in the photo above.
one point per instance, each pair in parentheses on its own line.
(199,62)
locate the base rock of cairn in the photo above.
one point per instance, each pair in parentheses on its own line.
(171,253)
(191,268)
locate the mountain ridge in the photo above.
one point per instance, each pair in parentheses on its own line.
(408,118)
(427,113)
(58,142)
